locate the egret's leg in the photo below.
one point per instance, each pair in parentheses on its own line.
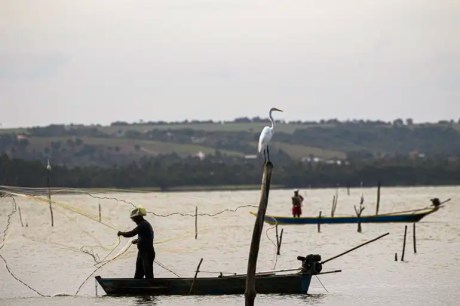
(268,154)
(265,157)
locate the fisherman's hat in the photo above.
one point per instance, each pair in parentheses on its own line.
(138,211)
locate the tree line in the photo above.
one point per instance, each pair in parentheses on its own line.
(171,171)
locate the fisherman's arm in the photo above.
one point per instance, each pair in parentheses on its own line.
(129,234)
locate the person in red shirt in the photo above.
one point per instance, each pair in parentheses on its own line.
(297,200)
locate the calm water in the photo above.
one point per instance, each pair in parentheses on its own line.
(51,260)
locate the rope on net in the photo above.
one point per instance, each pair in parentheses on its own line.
(3,244)
(202,214)
(34,193)
(103,263)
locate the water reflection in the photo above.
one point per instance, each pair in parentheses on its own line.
(312,299)
(292,299)
(146,300)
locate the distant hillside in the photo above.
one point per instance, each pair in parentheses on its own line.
(329,141)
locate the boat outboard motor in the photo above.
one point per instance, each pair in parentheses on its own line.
(311,264)
(435,202)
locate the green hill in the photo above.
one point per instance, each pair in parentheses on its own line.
(325,141)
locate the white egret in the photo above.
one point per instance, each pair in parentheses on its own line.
(266,135)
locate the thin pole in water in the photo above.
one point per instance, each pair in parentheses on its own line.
(20,216)
(194,279)
(378,199)
(277,237)
(279,242)
(319,222)
(48,178)
(196,222)
(358,214)
(404,243)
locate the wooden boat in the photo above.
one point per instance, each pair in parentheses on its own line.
(402,216)
(266,283)
(288,283)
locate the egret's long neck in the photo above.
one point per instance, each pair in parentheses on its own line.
(271,119)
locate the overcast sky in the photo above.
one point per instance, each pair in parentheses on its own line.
(99,61)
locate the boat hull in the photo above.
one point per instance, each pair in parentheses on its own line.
(383,218)
(282,284)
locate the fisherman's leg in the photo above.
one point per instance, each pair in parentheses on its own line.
(139,267)
(147,261)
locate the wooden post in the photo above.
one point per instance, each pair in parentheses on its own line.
(336,199)
(319,222)
(194,279)
(378,199)
(100,214)
(48,168)
(333,206)
(404,243)
(279,242)
(396,256)
(358,214)
(20,216)
(414,239)
(196,222)
(250,292)
(277,238)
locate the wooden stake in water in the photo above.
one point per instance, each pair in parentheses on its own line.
(196,222)
(194,278)
(20,216)
(396,256)
(48,169)
(334,205)
(277,237)
(279,242)
(319,222)
(414,239)
(100,213)
(358,214)
(378,199)
(404,243)
(250,292)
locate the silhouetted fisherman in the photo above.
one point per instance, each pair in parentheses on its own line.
(144,241)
